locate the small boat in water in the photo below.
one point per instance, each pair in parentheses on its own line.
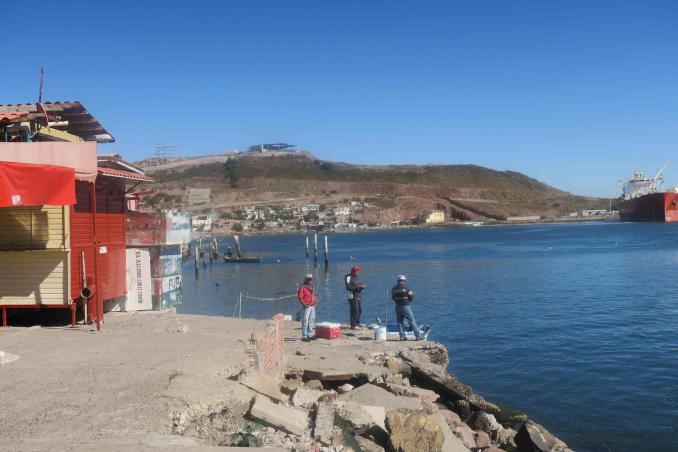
(242,259)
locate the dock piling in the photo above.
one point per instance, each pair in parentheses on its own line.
(327,252)
(237,245)
(307,248)
(315,247)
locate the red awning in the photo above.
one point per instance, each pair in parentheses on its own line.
(26,184)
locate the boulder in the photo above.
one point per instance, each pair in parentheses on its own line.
(509,417)
(263,384)
(288,386)
(304,397)
(413,431)
(532,437)
(482,421)
(493,449)
(346,442)
(367,445)
(314,384)
(451,417)
(505,438)
(465,434)
(288,419)
(451,443)
(463,409)
(426,396)
(369,394)
(482,440)
(360,418)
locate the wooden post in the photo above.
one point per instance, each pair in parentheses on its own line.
(315,247)
(237,245)
(4,317)
(327,252)
(197,265)
(307,248)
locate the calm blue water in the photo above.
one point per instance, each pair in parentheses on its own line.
(576,325)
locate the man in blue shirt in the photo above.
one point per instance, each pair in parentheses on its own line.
(403,296)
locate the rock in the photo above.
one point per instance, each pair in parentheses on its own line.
(451,417)
(396,366)
(324,423)
(352,414)
(262,384)
(506,438)
(413,431)
(451,443)
(532,437)
(304,397)
(377,413)
(343,389)
(509,417)
(6,358)
(480,420)
(465,434)
(370,394)
(493,449)
(284,418)
(346,443)
(288,386)
(463,409)
(330,396)
(327,375)
(482,440)
(435,377)
(368,446)
(314,384)
(426,396)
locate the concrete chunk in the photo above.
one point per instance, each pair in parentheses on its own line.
(327,375)
(263,384)
(426,396)
(370,394)
(303,397)
(452,443)
(281,417)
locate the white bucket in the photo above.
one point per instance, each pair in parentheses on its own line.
(380,333)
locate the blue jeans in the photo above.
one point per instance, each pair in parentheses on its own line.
(308,322)
(404,314)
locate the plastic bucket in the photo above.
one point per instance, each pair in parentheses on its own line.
(380,333)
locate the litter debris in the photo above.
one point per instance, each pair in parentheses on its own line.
(6,358)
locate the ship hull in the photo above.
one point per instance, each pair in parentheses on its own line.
(652,207)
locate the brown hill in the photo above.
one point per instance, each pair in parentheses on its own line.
(399,192)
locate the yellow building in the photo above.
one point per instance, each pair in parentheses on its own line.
(436,216)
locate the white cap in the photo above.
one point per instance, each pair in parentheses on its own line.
(402,278)
(309,276)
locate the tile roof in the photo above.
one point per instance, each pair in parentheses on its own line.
(124,174)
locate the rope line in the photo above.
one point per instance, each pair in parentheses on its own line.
(270,299)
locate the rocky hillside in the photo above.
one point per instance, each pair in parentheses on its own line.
(401,192)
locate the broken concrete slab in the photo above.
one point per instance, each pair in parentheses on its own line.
(263,384)
(354,415)
(304,397)
(369,394)
(413,431)
(324,423)
(288,419)
(327,375)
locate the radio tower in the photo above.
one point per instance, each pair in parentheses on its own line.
(164,151)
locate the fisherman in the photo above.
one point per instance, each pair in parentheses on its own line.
(354,288)
(403,296)
(308,300)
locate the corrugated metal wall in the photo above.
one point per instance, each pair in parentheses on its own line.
(34,244)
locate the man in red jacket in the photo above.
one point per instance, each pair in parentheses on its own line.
(307,298)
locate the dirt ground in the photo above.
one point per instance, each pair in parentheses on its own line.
(121,388)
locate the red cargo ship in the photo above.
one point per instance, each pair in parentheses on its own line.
(644,200)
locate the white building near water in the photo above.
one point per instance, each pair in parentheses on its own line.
(203,222)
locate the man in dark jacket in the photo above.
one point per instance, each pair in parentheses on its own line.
(354,288)
(308,300)
(403,296)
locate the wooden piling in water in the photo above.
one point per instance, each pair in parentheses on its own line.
(197,265)
(315,247)
(327,253)
(307,248)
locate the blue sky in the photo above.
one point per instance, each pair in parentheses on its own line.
(575,93)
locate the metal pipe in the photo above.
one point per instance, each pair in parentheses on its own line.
(98,310)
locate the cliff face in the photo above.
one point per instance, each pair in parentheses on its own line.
(466,192)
